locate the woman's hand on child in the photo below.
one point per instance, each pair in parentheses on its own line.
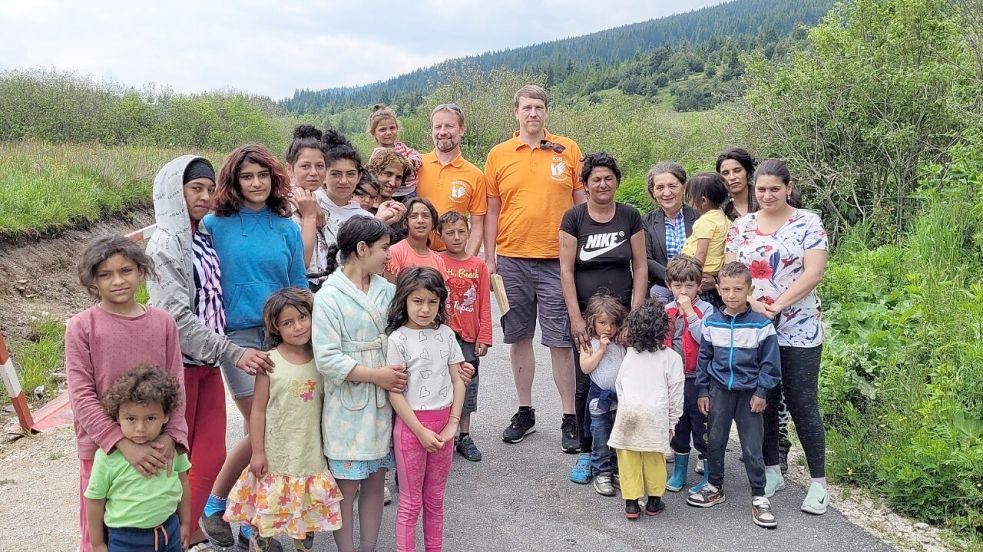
(578,328)
(703,404)
(480,349)
(392,377)
(257,464)
(466,370)
(758,405)
(253,361)
(164,444)
(430,441)
(144,458)
(761,308)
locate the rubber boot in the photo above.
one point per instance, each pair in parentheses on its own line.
(678,479)
(706,477)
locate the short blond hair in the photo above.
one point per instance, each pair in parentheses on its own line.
(531,91)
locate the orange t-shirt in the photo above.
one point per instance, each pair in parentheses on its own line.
(458,186)
(402,256)
(535,187)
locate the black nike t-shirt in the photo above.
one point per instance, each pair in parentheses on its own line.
(603,251)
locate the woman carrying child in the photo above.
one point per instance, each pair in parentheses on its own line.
(650,402)
(429,409)
(105,342)
(383,127)
(287,487)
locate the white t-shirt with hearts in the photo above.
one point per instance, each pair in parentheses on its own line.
(427,355)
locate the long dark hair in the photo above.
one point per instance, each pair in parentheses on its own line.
(298,298)
(228,194)
(101,249)
(411,279)
(777,167)
(354,230)
(747,161)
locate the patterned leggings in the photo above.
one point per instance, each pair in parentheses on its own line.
(422,480)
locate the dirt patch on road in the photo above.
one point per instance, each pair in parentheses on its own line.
(38,278)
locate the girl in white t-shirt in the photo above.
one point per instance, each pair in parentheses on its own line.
(429,410)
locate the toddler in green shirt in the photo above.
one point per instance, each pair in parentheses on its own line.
(126,510)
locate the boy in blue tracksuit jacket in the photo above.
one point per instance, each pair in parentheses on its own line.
(739,363)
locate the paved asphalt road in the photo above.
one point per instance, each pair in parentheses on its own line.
(518,498)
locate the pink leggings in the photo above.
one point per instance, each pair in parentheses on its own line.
(422,480)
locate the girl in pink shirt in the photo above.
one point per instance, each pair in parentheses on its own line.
(107,341)
(420,221)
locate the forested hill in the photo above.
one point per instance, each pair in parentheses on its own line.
(769,19)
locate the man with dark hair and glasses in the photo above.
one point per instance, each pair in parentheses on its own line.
(532,180)
(449,181)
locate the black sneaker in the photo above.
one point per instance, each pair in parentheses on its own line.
(218,531)
(654,506)
(632,510)
(570,437)
(523,423)
(465,447)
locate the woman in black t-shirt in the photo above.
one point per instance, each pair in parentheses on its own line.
(602,248)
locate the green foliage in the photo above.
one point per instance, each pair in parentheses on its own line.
(38,357)
(903,359)
(48,186)
(607,59)
(887,86)
(63,107)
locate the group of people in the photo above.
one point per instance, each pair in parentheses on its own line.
(345,307)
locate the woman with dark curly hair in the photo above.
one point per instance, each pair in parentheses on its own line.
(650,402)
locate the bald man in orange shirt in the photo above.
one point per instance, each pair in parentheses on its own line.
(532,180)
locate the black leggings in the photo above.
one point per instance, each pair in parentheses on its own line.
(800,383)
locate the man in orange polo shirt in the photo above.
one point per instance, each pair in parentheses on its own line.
(450,182)
(532,180)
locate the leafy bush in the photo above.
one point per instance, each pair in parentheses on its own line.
(903,360)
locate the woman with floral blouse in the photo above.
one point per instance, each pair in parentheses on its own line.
(785,248)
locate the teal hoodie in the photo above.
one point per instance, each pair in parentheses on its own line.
(260,253)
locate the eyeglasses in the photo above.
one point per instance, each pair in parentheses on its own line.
(546,144)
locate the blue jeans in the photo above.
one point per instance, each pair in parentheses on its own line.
(601,456)
(164,538)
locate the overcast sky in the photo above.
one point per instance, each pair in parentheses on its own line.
(273,48)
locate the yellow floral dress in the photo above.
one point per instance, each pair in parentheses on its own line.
(297,495)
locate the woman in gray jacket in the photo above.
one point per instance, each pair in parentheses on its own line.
(188,286)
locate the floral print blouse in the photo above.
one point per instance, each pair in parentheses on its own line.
(776,260)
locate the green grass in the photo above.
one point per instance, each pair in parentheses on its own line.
(38,357)
(46,187)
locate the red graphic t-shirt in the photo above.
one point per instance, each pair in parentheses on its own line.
(469,300)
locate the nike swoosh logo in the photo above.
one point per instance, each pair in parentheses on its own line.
(588,255)
(823,500)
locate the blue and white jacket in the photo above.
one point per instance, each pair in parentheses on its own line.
(739,352)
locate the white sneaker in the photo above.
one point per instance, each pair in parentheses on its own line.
(816,500)
(774,482)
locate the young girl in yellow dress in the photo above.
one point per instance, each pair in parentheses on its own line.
(287,487)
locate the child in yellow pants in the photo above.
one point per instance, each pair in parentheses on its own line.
(650,401)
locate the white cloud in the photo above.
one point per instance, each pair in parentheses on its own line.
(271,49)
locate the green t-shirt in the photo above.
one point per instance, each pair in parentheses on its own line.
(133,500)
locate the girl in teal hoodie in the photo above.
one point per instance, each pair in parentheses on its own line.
(261,252)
